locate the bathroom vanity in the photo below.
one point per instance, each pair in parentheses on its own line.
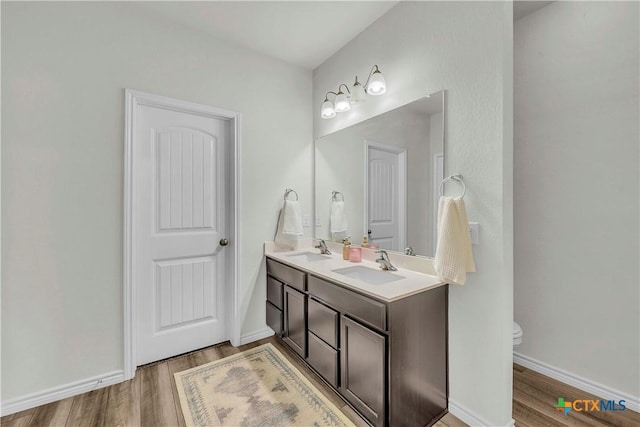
(380,343)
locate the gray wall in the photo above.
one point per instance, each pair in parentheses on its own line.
(465,48)
(64,70)
(576,189)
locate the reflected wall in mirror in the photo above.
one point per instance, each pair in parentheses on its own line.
(386,172)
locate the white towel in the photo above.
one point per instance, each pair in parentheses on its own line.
(454,257)
(289,225)
(292,218)
(338,217)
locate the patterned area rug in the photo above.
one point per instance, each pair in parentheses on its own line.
(258,387)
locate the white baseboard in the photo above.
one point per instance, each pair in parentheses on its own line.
(468,416)
(61,392)
(255,336)
(584,384)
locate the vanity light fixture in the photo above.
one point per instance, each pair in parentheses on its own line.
(375,85)
(342,103)
(327,111)
(358,94)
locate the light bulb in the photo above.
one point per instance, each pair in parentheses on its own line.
(327,111)
(342,103)
(377,85)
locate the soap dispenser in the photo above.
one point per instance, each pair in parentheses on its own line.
(346,244)
(365,242)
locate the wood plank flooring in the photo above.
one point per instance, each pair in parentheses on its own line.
(534,397)
(151,399)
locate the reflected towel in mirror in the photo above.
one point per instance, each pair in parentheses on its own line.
(338,217)
(454,257)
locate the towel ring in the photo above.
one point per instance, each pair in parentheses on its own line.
(457,178)
(334,196)
(287,191)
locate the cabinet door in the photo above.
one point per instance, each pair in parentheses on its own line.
(363,365)
(295,320)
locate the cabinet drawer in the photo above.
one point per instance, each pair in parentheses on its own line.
(286,274)
(274,292)
(274,318)
(324,359)
(323,322)
(366,309)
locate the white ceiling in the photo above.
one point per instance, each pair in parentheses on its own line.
(304,33)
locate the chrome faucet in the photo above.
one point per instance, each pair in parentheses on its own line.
(384,261)
(323,248)
(409,251)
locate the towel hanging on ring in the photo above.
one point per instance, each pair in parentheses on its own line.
(338,216)
(289,227)
(454,255)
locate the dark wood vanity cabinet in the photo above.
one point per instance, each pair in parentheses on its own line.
(388,360)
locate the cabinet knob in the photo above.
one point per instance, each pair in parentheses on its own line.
(224,242)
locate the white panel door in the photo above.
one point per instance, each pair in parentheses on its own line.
(180,194)
(385,198)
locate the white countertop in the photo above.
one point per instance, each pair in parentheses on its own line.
(411,283)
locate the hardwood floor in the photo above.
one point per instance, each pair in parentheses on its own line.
(150,399)
(534,397)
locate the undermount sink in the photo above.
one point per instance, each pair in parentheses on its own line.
(368,275)
(308,257)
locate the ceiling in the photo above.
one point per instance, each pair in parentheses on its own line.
(304,33)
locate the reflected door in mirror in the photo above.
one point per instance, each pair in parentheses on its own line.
(386,184)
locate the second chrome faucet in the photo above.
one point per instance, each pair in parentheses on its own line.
(323,248)
(384,261)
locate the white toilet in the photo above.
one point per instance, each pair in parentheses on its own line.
(517,335)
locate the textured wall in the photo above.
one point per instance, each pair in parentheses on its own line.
(577,189)
(464,48)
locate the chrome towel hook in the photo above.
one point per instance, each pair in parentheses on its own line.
(334,196)
(457,178)
(289,190)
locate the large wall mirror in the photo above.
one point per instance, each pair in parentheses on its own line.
(380,178)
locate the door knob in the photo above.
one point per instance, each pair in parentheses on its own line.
(224,242)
